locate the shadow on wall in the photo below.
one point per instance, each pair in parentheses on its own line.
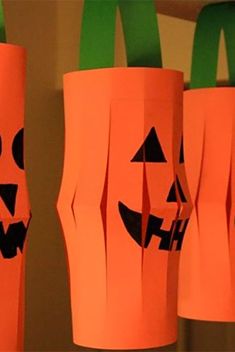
(48,323)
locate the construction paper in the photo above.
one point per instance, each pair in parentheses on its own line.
(211,21)
(123,289)
(207,267)
(98,33)
(2,25)
(14,203)
(123,155)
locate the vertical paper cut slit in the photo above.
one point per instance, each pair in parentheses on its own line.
(72,206)
(229,201)
(145,236)
(182,151)
(104,200)
(200,176)
(103,208)
(145,209)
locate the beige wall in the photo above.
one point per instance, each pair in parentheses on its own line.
(177,41)
(49,29)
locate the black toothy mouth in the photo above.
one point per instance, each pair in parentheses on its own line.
(14,236)
(133,224)
(12,239)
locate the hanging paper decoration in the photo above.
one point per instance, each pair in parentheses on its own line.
(14,204)
(207,266)
(123,202)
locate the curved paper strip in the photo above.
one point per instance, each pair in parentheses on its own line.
(97,43)
(118,226)
(211,21)
(140,30)
(2,24)
(14,204)
(207,265)
(141,33)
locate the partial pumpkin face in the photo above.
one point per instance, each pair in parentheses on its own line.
(14,207)
(153,195)
(152,152)
(14,203)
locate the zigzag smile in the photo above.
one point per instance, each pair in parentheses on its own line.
(133,224)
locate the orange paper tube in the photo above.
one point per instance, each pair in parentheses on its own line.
(207,265)
(14,204)
(123,204)
(207,270)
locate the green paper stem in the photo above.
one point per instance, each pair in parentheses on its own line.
(97,41)
(211,21)
(141,33)
(2,25)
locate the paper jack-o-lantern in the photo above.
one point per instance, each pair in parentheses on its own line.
(14,204)
(123,203)
(207,266)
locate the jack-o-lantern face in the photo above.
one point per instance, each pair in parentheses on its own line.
(150,188)
(14,210)
(14,203)
(151,152)
(123,196)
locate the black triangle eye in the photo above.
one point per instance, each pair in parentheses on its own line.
(181,193)
(172,193)
(151,150)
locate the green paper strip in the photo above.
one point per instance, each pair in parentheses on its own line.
(2,25)
(97,42)
(141,33)
(211,21)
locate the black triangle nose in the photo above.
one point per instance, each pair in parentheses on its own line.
(8,194)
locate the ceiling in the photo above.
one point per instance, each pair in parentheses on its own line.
(185,9)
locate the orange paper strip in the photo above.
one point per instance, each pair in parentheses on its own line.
(123,204)
(14,204)
(207,265)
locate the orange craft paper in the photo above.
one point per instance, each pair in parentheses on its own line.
(14,204)
(123,295)
(207,265)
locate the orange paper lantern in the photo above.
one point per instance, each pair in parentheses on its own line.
(123,201)
(14,204)
(207,266)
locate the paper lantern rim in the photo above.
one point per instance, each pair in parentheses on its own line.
(209,89)
(12,46)
(124,68)
(112,82)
